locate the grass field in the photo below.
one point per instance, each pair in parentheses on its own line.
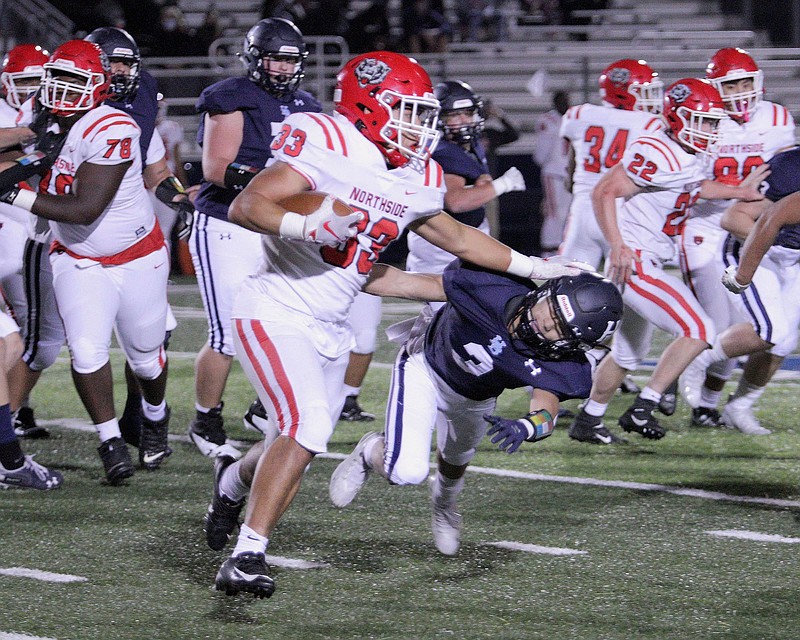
(623,537)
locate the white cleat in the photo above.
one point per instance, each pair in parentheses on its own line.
(351,474)
(743,419)
(691,381)
(445,524)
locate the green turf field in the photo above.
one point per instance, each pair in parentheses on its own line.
(623,548)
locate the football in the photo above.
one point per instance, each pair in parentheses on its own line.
(308,202)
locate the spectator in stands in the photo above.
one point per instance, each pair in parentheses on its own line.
(478,20)
(369,29)
(172,36)
(498,130)
(206,33)
(425,27)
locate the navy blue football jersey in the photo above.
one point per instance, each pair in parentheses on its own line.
(468,344)
(470,165)
(143,109)
(783,181)
(260,110)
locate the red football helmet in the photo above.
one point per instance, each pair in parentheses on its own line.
(693,110)
(23,71)
(76,78)
(632,85)
(732,65)
(389,98)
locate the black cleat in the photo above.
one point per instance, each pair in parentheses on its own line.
(25,425)
(248,572)
(707,417)
(352,412)
(639,418)
(669,400)
(223,513)
(628,385)
(153,447)
(207,433)
(116,460)
(586,428)
(130,423)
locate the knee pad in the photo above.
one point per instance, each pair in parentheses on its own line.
(409,473)
(87,357)
(150,366)
(722,370)
(785,346)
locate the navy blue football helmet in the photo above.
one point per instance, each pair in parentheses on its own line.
(458,96)
(119,46)
(274,38)
(587,308)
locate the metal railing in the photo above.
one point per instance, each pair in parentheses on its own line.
(32,21)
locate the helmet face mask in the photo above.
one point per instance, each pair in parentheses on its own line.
(585,310)
(693,110)
(458,99)
(119,47)
(23,70)
(632,85)
(76,78)
(274,56)
(729,67)
(389,98)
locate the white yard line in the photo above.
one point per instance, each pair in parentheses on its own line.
(292,563)
(21,636)
(44,576)
(535,548)
(753,535)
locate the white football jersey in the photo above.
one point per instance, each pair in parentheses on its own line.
(671,178)
(104,136)
(740,149)
(599,136)
(9,213)
(550,152)
(172,134)
(335,158)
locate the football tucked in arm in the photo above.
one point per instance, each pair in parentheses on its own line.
(318,217)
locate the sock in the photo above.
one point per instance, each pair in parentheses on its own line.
(249,542)
(708,398)
(716,353)
(201,409)
(351,391)
(595,409)
(11,456)
(152,412)
(746,394)
(649,394)
(108,430)
(231,485)
(446,490)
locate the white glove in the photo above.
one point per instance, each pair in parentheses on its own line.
(730,281)
(571,262)
(323,226)
(547,269)
(511,180)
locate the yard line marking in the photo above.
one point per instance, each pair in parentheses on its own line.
(535,548)
(293,563)
(79,425)
(45,576)
(753,535)
(21,636)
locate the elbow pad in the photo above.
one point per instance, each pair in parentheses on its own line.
(167,189)
(238,176)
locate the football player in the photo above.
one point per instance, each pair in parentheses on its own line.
(290,319)
(660,178)
(496,332)
(235,133)
(754,132)
(109,260)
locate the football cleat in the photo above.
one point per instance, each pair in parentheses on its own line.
(248,572)
(256,419)
(153,447)
(25,425)
(351,474)
(586,428)
(130,423)
(639,418)
(669,400)
(223,513)
(628,385)
(706,417)
(445,524)
(207,433)
(690,382)
(116,460)
(31,475)
(352,412)
(736,416)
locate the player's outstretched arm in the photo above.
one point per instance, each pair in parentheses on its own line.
(509,434)
(748,190)
(385,280)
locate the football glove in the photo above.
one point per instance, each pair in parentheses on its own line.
(508,434)
(323,226)
(511,180)
(730,281)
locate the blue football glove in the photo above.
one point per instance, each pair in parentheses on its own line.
(508,435)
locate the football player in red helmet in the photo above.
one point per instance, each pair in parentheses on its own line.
(739,81)
(693,110)
(632,85)
(23,69)
(77,78)
(390,98)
